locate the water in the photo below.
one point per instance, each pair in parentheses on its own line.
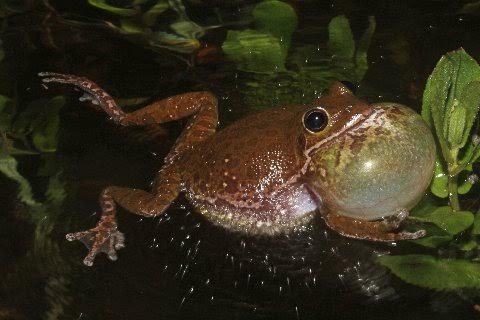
(179,266)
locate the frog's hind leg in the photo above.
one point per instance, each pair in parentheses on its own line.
(105,236)
(372,230)
(201,105)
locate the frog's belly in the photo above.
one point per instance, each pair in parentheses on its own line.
(281,212)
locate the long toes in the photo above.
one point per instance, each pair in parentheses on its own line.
(88,261)
(114,245)
(411,235)
(119,240)
(78,235)
(112,255)
(52,76)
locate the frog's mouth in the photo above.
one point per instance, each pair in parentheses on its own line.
(359,122)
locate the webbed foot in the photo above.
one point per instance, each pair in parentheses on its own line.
(385,230)
(394,222)
(105,237)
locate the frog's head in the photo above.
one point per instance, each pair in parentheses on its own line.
(365,160)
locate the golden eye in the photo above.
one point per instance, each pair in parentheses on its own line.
(315,120)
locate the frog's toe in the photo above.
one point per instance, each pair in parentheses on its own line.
(117,242)
(395,220)
(102,238)
(405,235)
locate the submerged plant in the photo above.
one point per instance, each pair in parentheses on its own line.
(283,75)
(138,20)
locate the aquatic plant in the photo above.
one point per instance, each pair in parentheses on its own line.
(450,106)
(138,20)
(282,74)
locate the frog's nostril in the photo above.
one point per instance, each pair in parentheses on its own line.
(350,85)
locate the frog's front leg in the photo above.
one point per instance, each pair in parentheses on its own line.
(383,230)
(105,236)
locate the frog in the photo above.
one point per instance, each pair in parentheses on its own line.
(360,166)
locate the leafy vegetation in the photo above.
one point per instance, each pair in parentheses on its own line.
(33,132)
(450,106)
(265,49)
(283,75)
(29,134)
(430,272)
(138,20)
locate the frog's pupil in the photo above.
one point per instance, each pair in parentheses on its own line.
(315,120)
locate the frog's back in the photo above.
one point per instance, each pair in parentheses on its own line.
(248,171)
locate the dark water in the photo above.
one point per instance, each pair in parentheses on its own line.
(179,266)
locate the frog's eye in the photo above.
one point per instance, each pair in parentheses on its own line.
(315,120)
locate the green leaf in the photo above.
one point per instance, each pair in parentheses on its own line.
(427,205)
(470,101)
(264,50)
(433,241)
(456,126)
(277,18)
(55,193)
(340,39)
(6,147)
(429,272)
(444,91)
(451,222)
(470,153)
(6,113)
(464,183)
(131,26)
(254,51)
(27,120)
(468,245)
(173,42)
(124,12)
(440,181)
(150,17)
(361,62)
(476,224)
(475,154)
(187,29)
(435,237)
(45,132)
(8,166)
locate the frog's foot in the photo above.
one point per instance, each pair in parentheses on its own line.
(103,238)
(94,93)
(405,235)
(383,231)
(394,221)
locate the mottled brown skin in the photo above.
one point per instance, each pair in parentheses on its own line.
(255,176)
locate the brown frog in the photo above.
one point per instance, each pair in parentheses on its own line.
(360,166)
